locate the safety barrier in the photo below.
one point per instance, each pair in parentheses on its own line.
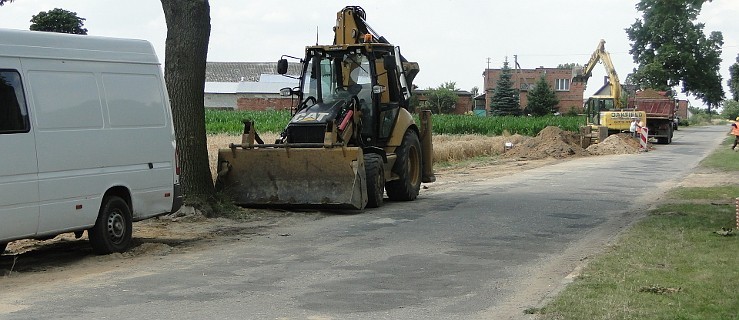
(643,137)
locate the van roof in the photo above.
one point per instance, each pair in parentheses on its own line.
(51,45)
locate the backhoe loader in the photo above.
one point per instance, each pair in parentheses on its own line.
(351,137)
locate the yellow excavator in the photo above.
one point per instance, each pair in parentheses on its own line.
(351,136)
(605,111)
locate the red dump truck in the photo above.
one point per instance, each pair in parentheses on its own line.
(660,110)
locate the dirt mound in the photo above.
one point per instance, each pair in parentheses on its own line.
(550,142)
(621,143)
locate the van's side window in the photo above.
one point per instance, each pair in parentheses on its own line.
(13,112)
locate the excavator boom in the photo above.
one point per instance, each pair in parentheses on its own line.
(601,55)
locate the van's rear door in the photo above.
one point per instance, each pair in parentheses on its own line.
(19,194)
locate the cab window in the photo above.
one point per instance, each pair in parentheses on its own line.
(13,112)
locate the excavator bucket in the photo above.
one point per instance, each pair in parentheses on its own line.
(332,178)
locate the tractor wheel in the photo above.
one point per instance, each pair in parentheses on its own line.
(113,228)
(408,168)
(375,172)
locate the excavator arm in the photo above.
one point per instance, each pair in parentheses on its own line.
(601,55)
(352,29)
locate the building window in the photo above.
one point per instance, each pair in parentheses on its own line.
(562,85)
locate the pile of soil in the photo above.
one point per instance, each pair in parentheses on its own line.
(553,142)
(550,142)
(621,143)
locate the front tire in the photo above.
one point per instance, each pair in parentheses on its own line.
(375,173)
(408,167)
(113,228)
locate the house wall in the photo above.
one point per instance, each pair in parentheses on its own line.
(245,101)
(525,79)
(464,101)
(263,102)
(682,109)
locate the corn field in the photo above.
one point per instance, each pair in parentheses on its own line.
(230,122)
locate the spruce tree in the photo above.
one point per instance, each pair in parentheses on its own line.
(542,99)
(505,100)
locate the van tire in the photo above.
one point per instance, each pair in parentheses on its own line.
(113,228)
(408,168)
(375,173)
(2,247)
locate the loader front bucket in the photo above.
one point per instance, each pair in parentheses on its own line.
(331,178)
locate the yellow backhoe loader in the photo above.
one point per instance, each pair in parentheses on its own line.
(605,110)
(351,137)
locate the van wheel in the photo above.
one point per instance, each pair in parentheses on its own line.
(375,172)
(2,247)
(408,167)
(113,228)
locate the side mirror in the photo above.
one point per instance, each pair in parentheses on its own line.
(389,63)
(286,92)
(282,66)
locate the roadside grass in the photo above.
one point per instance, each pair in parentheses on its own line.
(723,158)
(676,263)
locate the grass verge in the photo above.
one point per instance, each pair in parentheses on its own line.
(677,263)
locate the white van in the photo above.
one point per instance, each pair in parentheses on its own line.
(86,138)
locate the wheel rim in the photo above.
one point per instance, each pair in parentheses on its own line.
(116,226)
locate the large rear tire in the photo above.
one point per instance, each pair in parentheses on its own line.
(408,168)
(375,172)
(113,228)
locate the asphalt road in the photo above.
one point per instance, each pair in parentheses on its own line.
(482,250)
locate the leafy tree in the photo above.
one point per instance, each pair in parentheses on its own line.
(413,103)
(442,99)
(671,50)
(542,99)
(570,65)
(58,20)
(505,99)
(186,50)
(733,81)
(730,110)
(475,91)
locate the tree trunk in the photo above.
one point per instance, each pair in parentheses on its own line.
(188,33)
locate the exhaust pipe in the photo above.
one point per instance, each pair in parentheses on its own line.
(427,148)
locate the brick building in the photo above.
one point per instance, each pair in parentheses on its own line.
(570,94)
(682,109)
(464,100)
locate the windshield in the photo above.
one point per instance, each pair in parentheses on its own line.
(340,76)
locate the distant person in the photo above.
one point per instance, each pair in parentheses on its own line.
(634,125)
(735,132)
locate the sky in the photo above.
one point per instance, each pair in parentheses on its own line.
(452,40)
